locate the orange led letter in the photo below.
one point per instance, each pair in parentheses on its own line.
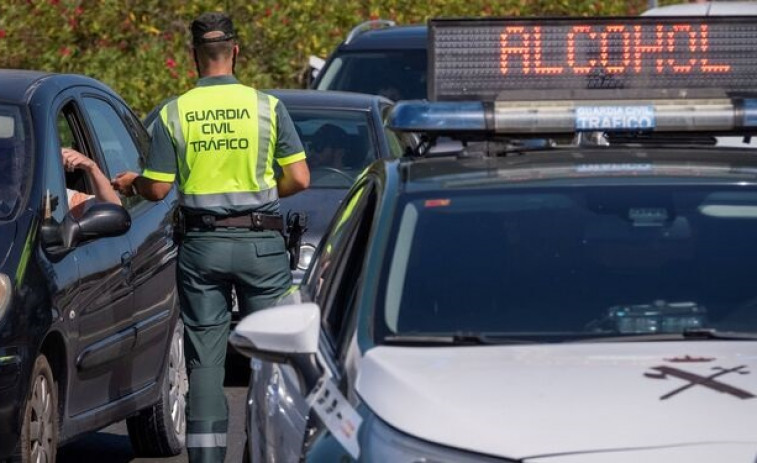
(576,31)
(604,49)
(641,48)
(686,30)
(706,67)
(506,49)
(538,48)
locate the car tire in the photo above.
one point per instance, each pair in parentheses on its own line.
(160,431)
(39,430)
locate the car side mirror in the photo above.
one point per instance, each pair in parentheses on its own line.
(283,334)
(314,66)
(98,221)
(279,331)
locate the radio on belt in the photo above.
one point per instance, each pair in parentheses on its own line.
(565,75)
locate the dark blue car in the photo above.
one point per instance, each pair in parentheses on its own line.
(89,328)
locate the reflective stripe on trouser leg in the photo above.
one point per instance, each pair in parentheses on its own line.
(206,441)
(204,299)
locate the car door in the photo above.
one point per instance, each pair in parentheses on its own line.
(279,410)
(122,142)
(99,306)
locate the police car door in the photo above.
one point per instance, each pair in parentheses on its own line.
(278,406)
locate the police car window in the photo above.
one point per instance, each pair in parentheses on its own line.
(629,260)
(340,304)
(325,271)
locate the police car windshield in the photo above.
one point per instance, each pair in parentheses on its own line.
(570,263)
(14,160)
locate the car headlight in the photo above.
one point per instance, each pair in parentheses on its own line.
(5,293)
(306,255)
(380,442)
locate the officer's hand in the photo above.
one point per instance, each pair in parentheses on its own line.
(124,183)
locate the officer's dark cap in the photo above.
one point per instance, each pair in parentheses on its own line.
(212,22)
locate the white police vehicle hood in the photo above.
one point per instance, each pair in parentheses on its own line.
(662,401)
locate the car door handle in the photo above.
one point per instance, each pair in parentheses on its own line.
(126,259)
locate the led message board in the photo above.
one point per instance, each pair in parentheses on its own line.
(548,58)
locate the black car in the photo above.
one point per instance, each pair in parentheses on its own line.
(380,58)
(353,125)
(89,328)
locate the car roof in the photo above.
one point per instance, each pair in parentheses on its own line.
(327,98)
(434,173)
(394,37)
(705,9)
(17,85)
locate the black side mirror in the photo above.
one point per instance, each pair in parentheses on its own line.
(99,220)
(103,219)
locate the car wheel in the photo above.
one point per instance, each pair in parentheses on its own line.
(160,430)
(39,431)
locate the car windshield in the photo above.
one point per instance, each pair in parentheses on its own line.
(14,160)
(395,74)
(572,264)
(339,144)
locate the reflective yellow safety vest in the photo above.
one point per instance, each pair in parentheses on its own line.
(225,139)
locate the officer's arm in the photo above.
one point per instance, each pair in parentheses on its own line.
(294,177)
(131,183)
(159,174)
(151,189)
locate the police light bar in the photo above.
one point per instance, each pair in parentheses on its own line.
(591,58)
(551,117)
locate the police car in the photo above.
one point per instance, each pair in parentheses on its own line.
(575,285)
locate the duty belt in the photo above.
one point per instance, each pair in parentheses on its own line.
(256,221)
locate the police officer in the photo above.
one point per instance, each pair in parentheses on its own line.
(218,142)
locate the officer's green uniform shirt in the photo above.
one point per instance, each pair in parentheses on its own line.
(219,141)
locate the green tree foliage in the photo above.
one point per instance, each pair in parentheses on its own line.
(141,47)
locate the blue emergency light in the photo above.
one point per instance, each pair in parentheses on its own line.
(556,117)
(424,116)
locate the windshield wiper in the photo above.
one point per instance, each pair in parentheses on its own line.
(456,339)
(711,333)
(691,334)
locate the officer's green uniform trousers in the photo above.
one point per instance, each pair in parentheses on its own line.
(209,263)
